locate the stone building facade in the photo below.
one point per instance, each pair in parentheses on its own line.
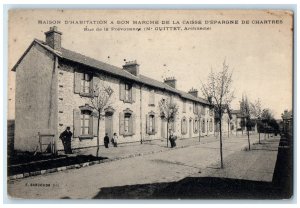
(53,86)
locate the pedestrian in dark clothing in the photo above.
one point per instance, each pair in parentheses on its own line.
(172,139)
(106,140)
(65,137)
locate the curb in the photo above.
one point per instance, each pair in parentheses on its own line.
(85,164)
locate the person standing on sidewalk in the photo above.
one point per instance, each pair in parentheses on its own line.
(114,140)
(65,137)
(106,140)
(172,139)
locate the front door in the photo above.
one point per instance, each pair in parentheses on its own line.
(109,124)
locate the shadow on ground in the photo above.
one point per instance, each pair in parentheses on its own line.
(281,186)
(27,162)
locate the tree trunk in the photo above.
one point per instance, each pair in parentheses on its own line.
(167,133)
(248,140)
(199,129)
(98,139)
(221,145)
(228,129)
(258,137)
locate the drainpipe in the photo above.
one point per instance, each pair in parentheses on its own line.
(54,103)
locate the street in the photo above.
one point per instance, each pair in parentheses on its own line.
(166,166)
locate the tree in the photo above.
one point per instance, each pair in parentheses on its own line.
(267,115)
(245,110)
(168,111)
(219,88)
(199,114)
(256,111)
(242,109)
(100,98)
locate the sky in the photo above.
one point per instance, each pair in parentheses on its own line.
(260,55)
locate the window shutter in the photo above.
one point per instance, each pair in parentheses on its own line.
(121,123)
(185,127)
(182,127)
(133,123)
(91,125)
(122,91)
(95,124)
(133,93)
(77,81)
(76,122)
(147,124)
(156,123)
(95,85)
(152,98)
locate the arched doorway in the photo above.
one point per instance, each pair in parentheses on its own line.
(190,128)
(109,112)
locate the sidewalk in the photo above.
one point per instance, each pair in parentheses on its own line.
(137,149)
(154,146)
(255,165)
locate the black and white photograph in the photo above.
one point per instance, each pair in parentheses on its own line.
(150,104)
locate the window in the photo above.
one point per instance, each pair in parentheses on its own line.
(127,92)
(152,97)
(126,122)
(210,125)
(203,126)
(184,126)
(184,106)
(85,122)
(128,95)
(196,125)
(194,107)
(151,123)
(202,110)
(85,83)
(211,112)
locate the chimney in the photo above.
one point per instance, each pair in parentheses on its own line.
(171,81)
(193,92)
(53,38)
(132,67)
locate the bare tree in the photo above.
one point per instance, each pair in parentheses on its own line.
(199,114)
(219,88)
(256,111)
(245,110)
(101,94)
(168,111)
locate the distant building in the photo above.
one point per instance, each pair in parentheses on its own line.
(287,118)
(53,86)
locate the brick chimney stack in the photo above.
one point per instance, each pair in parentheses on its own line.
(132,67)
(53,38)
(171,81)
(193,92)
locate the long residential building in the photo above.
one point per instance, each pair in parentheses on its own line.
(53,86)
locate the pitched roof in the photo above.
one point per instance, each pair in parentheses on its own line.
(117,71)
